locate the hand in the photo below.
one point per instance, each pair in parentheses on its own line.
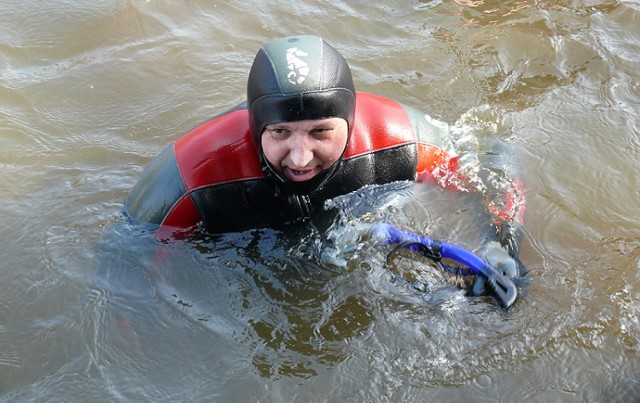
(342,243)
(498,257)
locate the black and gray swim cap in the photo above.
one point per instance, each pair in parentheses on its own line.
(298,78)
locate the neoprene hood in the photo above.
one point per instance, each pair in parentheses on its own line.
(298,78)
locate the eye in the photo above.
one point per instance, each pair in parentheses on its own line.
(277,130)
(321,130)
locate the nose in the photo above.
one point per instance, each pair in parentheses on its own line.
(301,150)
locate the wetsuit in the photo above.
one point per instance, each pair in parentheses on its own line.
(217,175)
(213,174)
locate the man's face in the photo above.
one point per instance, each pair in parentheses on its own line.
(300,150)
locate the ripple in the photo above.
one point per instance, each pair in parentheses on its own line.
(91,92)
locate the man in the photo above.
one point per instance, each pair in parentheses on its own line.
(304,136)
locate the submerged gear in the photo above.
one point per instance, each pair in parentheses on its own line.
(490,270)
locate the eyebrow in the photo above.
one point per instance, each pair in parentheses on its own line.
(277,125)
(324,124)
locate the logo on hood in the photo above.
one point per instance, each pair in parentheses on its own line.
(298,68)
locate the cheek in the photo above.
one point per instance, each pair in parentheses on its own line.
(272,150)
(329,155)
(332,153)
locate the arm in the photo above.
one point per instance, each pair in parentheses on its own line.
(485,167)
(160,197)
(503,192)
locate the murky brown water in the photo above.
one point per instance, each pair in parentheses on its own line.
(91,91)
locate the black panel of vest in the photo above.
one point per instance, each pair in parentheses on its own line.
(261,203)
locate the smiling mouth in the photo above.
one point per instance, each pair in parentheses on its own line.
(301,175)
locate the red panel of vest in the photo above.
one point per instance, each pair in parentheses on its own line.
(218,151)
(221,150)
(379,123)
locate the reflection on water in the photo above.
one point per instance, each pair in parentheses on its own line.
(95,310)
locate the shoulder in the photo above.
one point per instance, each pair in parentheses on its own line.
(382,122)
(427,129)
(218,151)
(157,190)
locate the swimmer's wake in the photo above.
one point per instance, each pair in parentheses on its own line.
(502,286)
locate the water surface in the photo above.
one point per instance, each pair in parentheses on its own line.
(92,91)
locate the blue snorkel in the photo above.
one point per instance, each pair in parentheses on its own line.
(503,287)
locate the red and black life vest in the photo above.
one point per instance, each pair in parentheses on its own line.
(213,175)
